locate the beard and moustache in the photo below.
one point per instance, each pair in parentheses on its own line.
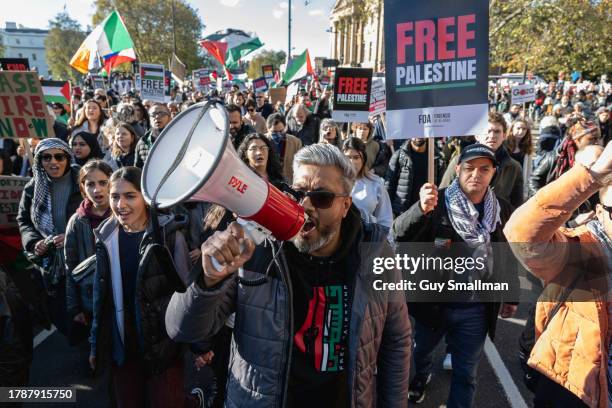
(325,236)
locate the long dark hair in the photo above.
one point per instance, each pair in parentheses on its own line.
(273,166)
(115,149)
(91,166)
(130,174)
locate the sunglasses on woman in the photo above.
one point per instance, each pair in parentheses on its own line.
(59,157)
(320,199)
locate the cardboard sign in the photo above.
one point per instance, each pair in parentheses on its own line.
(23,112)
(267,71)
(14,64)
(352,88)
(98,82)
(523,93)
(11,188)
(260,84)
(201,79)
(436,67)
(277,95)
(378,98)
(152,82)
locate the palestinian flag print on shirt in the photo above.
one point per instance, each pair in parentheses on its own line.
(323,334)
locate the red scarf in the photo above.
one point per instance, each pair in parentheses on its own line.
(565,161)
(86,210)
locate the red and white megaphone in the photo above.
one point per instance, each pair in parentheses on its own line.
(193,159)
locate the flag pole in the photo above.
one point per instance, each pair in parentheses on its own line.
(173,29)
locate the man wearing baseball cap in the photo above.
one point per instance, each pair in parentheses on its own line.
(467,212)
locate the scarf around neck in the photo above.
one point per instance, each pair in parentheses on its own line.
(463,216)
(40,211)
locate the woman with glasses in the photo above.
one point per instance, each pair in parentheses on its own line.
(253,118)
(47,202)
(329,133)
(369,193)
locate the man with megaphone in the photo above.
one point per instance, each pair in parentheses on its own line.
(309,331)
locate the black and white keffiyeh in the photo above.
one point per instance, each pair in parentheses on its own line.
(606,243)
(40,211)
(464,219)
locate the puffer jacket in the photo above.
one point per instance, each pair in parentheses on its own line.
(79,244)
(156,281)
(379,339)
(573,348)
(400,177)
(30,234)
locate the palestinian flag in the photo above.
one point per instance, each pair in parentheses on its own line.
(110,41)
(56,91)
(229,46)
(299,68)
(153,72)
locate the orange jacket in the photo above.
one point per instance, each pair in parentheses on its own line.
(573,350)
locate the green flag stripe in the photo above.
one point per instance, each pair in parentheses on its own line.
(118,37)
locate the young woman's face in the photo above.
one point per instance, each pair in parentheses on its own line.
(362,131)
(123,138)
(519,130)
(356,159)
(329,134)
(92,111)
(128,204)
(80,148)
(257,154)
(96,188)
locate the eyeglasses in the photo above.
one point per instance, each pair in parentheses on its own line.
(319,199)
(608,210)
(59,157)
(158,114)
(258,148)
(259,97)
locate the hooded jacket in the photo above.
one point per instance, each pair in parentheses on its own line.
(379,338)
(156,281)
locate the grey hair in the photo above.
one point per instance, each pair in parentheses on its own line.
(319,154)
(301,106)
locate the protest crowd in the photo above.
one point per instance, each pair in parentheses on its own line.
(295,324)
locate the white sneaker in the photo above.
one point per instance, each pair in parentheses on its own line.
(447,364)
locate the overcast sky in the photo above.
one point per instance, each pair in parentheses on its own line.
(267,18)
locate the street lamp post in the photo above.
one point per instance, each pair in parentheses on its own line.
(289,34)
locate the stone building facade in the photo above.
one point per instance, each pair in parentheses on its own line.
(357,34)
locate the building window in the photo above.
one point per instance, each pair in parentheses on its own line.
(20,55)
(17,41)
(33,57)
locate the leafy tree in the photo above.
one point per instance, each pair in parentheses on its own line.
(64,39)
(1,46)
(149,23)
(551,35)
(265,57)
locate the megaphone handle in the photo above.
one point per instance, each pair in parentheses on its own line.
(251,232)
(217,265)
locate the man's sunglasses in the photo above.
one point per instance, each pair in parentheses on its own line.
(59,157)
(319,199)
